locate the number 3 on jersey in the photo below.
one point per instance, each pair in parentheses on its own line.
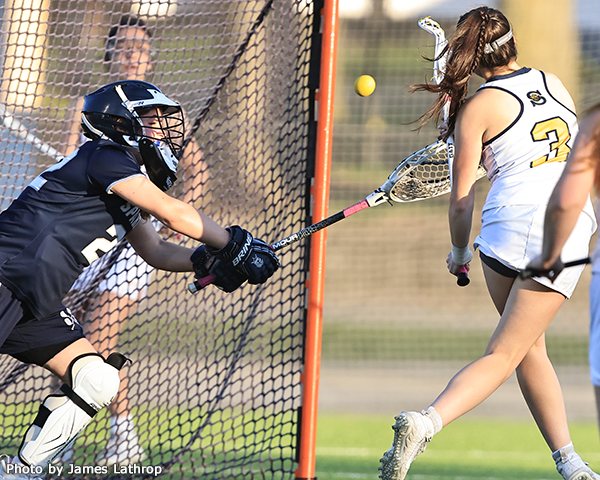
(559,150)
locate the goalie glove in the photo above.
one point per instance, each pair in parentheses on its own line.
(243,258)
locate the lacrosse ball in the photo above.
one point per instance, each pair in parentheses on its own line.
(364,85)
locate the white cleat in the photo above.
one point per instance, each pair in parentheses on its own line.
(412,432)
(570,465)
(15,470)
(582,473)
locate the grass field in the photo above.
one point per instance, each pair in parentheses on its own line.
(349,447)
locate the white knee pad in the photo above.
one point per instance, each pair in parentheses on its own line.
(66,412)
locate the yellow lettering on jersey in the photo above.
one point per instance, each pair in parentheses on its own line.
(102,245)
(559,150)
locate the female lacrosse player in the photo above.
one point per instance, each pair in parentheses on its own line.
(73,213)
(581,175)
(520,124)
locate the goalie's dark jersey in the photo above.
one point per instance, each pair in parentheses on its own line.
(64,220)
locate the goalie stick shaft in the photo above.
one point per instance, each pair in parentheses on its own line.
(372,200)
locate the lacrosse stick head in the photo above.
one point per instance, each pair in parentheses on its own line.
(423,174)
(430,25)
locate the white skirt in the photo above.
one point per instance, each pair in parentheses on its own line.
(513,235)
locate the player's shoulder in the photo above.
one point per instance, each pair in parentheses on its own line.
(558,90)
(108,151)
(487,102)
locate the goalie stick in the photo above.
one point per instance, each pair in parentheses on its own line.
(422,175)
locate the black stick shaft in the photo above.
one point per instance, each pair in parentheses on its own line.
(201,283)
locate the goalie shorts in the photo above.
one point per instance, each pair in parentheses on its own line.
(30,340)
(128,276)
(513,235)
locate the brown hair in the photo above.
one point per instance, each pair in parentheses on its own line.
(466,52)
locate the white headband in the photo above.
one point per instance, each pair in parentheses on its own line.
(496,44)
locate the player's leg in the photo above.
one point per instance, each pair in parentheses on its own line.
(536,375)
(541,388)
(104,319)
(543,394)
(91,382)
(529,309)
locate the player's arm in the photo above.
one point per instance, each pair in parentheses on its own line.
(234,257)
(173,213)
(468,134)
(157,252)
(571,192)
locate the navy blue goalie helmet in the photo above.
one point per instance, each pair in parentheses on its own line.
(137,114)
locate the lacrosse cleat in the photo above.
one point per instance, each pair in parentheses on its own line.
(570,465)
(412,432)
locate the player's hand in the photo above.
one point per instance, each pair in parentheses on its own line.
(456,268)
(538,268)
(261,263)
(205,264)
(243,258)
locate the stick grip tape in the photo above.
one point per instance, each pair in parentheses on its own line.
(463,277)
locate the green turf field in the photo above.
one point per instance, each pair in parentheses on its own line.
(349,447)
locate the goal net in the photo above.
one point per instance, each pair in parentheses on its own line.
(213,390)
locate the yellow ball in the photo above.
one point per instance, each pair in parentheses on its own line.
(364,85)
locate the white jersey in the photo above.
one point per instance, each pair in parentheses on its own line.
(524,161)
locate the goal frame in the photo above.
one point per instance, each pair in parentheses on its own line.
(323,97)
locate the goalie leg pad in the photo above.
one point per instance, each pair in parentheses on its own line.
(65,413)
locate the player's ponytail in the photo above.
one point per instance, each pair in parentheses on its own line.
(482,39)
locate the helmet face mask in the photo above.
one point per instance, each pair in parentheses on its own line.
(129,112)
